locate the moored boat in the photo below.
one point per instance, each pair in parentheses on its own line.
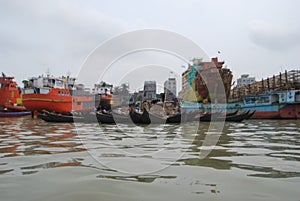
(206,117)
(174,119)
(151,118)
(240,117)
(60,118)
(14,114)
(105,118)
(10,95)
(57,118)
(15,108)
(47,93)
(272,105)
(230,117)
(56,95)
(138,118)
(122,118)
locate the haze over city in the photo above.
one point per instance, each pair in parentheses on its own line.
(260,38)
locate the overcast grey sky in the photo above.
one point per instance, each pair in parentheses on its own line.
(256,37)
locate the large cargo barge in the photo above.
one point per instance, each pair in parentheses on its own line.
(273,105)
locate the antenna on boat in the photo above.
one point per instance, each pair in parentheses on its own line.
(48,72)
(68,73)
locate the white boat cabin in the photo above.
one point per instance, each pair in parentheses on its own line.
(43,85)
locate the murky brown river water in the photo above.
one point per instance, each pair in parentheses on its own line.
(253,160)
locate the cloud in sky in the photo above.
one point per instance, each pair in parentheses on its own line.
(36,35)
(274,36)
(256,37)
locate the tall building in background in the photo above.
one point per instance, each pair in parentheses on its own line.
(149,90)
(244,80)
(170,89)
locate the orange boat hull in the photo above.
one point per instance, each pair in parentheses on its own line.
(9,92)
(53,102)
(40,102)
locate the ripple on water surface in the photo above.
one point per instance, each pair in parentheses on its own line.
(252,154)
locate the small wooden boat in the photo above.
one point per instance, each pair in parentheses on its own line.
(146,118)
(139,118)
(14,114)
(238,117)
(153,118)
(231,113)
(88,117)
(113,118)
(122,118)
(250,114)
(105,118)
(232,117)
(45,117)
(189,117)
(133,117)
(60,118)
(205,117)
(174,119)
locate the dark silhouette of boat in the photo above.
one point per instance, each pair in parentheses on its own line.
(122,118)
(174,119)
(238,117)
(184,118)
(151,118)
(61,118)
(138,118)
(58,118)
(206,117)
(230,117)
(114,118)
(190,116)
(231,113)
(14,113)
(141,118)
(105,118)
(250,114)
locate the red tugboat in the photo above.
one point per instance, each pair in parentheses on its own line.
(10,98)
(103,96)
(56,95)
(101,101)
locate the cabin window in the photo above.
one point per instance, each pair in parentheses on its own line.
(59,83)
(275,98)
(59,93)
(264,99)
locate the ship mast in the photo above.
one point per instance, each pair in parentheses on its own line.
(48,72)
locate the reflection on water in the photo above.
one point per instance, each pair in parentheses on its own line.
(25,137)
(158,154)
(255,143)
